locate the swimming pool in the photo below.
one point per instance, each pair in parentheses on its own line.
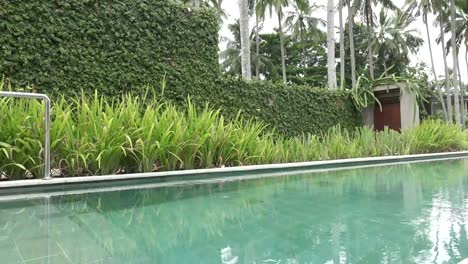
(404,213)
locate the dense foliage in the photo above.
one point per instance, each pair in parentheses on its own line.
(305,62)
(291,110)
(71,45)
(118,47)
(96,136)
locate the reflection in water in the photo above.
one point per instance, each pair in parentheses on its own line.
(415,213)
(227,257)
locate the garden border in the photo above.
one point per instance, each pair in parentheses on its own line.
(29,189)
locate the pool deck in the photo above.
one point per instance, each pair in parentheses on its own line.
(240,170)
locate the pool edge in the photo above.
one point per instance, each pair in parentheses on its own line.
(220,172)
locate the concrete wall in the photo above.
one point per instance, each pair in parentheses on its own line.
(409,113)
(409,110)
(368,116)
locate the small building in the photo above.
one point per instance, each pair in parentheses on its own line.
(398,112)
(434,107)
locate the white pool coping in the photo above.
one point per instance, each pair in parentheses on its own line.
(296,167)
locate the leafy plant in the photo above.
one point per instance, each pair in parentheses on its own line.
(363,94)
(96,135)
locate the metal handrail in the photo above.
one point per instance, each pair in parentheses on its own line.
(46,99)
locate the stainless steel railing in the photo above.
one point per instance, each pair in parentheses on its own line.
(46,99)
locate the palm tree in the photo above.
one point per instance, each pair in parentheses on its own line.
(217,4)
(461,25)
(245,39)
(461,33)
(253,7)
(300,20)
(370,25)
(365,7)
(424,8)
(331,44)
(440,6)
(455,62)
(394,36)
(277,5)
(351,13)
(231,56)
(342,47)
(463,5)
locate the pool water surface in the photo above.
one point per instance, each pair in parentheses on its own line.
(406,213)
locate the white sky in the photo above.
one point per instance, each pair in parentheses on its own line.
(232,9)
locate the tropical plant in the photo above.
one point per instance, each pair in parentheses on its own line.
(363,93)
(95,135)
(302,25)
(310,70)
(441,20)
(423,8)
(365,8)
(458,113)
(394,36)
(433,136)
(231,56)
(278,6)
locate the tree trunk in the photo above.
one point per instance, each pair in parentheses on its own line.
(245,39)
(195,3)
(370,26)
(351,43)
(455,63)
(303,45)
(438,88)
(447,87)
(331,45)
(283,51)
(342,45)
(466,61)
(462,93)
(257,47)
(220,10)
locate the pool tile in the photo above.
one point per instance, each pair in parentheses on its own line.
(37,248)
(57,259)
(10,255)
(85,255)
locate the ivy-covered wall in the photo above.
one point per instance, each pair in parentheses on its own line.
(70,45)
(116,46)
(291,110)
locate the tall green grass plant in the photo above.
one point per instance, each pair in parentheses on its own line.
(94,135)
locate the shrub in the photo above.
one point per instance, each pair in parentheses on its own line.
(114,46)
(291,110)
(95,135)
(117,47)
(435,135)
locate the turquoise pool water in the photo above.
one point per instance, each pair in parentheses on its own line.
(411,213)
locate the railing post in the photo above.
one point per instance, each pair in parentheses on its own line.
(47,175)
(46,99)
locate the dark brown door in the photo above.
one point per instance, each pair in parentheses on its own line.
(389,117)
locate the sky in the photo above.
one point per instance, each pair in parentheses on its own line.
(232,9)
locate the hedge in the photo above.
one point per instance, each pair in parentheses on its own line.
(65,46)
(292,110)
(70,45)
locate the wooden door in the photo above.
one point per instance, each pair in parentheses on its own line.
(390,116)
